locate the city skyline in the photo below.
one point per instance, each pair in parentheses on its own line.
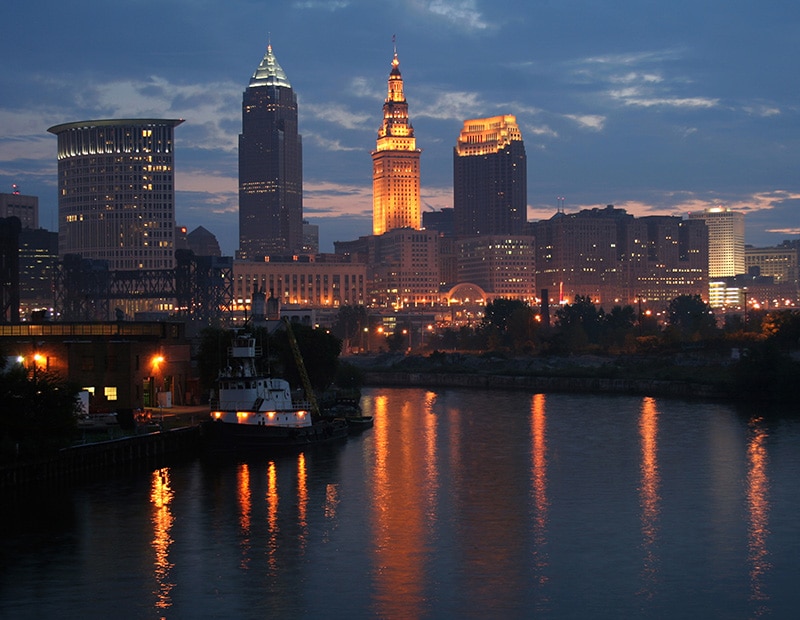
(660,110)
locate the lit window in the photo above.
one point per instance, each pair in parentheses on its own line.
(110,393)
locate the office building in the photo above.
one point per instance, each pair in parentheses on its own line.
(306,283)
(26,208)
(116,191)
(503,266)
(615,259)
(395,164)
(725,241)
(38,261)
(203,242)
(490,178)
(270,166)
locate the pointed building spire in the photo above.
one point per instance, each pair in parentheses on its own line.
(269,72)
(395,179)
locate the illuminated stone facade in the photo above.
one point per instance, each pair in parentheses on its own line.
(270,166)
(308,283)
(395,164)
(490,178)
(116,192)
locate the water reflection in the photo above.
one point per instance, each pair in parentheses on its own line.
(160,497)
(302,500)
(272,517)
(758,509)
(400,514)
(649,499)
(244,495)
(541,502)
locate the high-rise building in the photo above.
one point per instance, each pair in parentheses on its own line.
(395,164)
(270,166)
(725,241)
(504,266)
(116,191)
(26,208)
(616,259)
(490,178)
(38,260)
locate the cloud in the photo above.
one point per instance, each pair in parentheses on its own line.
(634,97)
(455,105)
(762,110)
(367,87)
(326,5)
(463,13)
(205,182)
(323,199)
(331,145)
(338,115)
(594,122)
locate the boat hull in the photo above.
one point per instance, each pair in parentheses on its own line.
(228,437)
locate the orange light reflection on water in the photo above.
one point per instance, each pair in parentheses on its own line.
(539,479)
(272,515)
(161,496)
(302,499)
(649,498)
(401,506)
(245,508)
(758,508)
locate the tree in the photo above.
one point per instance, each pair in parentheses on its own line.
(618,325)
(320,352)
(212,354)
(349,323)
(39,413)
(783,326)
(579,323)
(499,311)
(691,317)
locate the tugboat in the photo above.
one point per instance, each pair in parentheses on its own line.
(253,411)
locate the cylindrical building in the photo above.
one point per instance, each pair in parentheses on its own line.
(116,191)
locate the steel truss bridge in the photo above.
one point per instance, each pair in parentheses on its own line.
(200,288)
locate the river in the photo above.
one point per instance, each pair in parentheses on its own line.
(457,504)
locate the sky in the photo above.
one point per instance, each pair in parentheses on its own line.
(660,108)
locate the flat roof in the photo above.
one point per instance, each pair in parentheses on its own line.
(111,122)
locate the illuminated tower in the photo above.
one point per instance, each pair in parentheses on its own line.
(116,192)
(395,164)
(490,178)
(270,166)
(725,241)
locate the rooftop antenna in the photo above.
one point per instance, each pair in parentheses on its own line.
(394,43)
(560,200)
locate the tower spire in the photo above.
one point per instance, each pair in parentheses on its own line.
(396,201)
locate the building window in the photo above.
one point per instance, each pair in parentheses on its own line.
(110,393)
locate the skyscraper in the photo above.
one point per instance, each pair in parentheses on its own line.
(270,166)
(26,208)
(490,181)
(395,164)
(725,241)
(116,192)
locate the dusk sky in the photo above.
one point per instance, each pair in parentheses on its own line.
(656,107)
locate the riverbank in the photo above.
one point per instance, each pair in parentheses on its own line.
(645,387)
(685,376)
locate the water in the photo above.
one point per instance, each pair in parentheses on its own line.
(457,504)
